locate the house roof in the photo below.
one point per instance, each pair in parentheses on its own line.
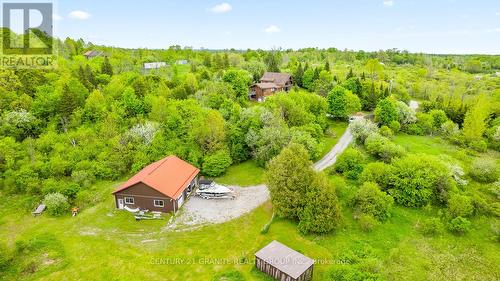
(266,85)
(275,77)
(170,176)
(285,259)
(154,65)
(92,53)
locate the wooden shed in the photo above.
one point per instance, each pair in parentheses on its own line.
(283,263)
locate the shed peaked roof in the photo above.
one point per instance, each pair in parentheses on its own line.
(275,77)
(285,259)
(169,176)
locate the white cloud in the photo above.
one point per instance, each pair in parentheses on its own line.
(493,30)
(57,17)
(388,3)
(221,8)
(272,29)
(497,14)
(79,15)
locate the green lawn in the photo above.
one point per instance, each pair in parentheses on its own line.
(333,133)
(243,174)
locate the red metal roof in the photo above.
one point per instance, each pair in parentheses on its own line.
(169,176)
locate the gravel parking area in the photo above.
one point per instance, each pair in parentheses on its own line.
(197,212)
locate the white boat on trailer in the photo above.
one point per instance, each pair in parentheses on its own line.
(211,190)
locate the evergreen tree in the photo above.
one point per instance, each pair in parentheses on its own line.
(350,74)
(288,176)
(89,74)
(322,210)
(207,60)
(106,67)
(225,60)
(82,76)
(327,66)
(299,73)
(68,102)
(316,74)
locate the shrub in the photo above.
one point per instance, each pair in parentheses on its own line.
(481,207)
(367,223)
(70,190)
(351,273)
(484,170)
(362,128)
(395,126)
(416,180)
(216,164)
(386,132)
(378,172)
(232,275)
(83,178)
(406,115)
(56,203)
(438,118)
(383,148)
(478,145)
(350,163)
(459,225)
(430,226)
(5,258)
(460,206)
(449,129)
(370,200)
(423,126)
(386,112)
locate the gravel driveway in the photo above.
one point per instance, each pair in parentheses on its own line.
(197,211)
(330,158)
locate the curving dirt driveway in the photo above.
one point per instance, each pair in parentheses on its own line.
(330,158)
(197,212)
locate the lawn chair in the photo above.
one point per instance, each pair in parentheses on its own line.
(39,210)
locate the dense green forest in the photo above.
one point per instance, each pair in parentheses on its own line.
(65,131)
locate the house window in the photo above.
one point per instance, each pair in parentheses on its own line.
(158,203)
(129,200)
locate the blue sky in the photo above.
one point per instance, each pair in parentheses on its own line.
(439,26)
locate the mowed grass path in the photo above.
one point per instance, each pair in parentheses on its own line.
(102,243)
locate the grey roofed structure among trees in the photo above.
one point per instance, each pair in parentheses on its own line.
(287,261)
(155,65)
(92,54)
